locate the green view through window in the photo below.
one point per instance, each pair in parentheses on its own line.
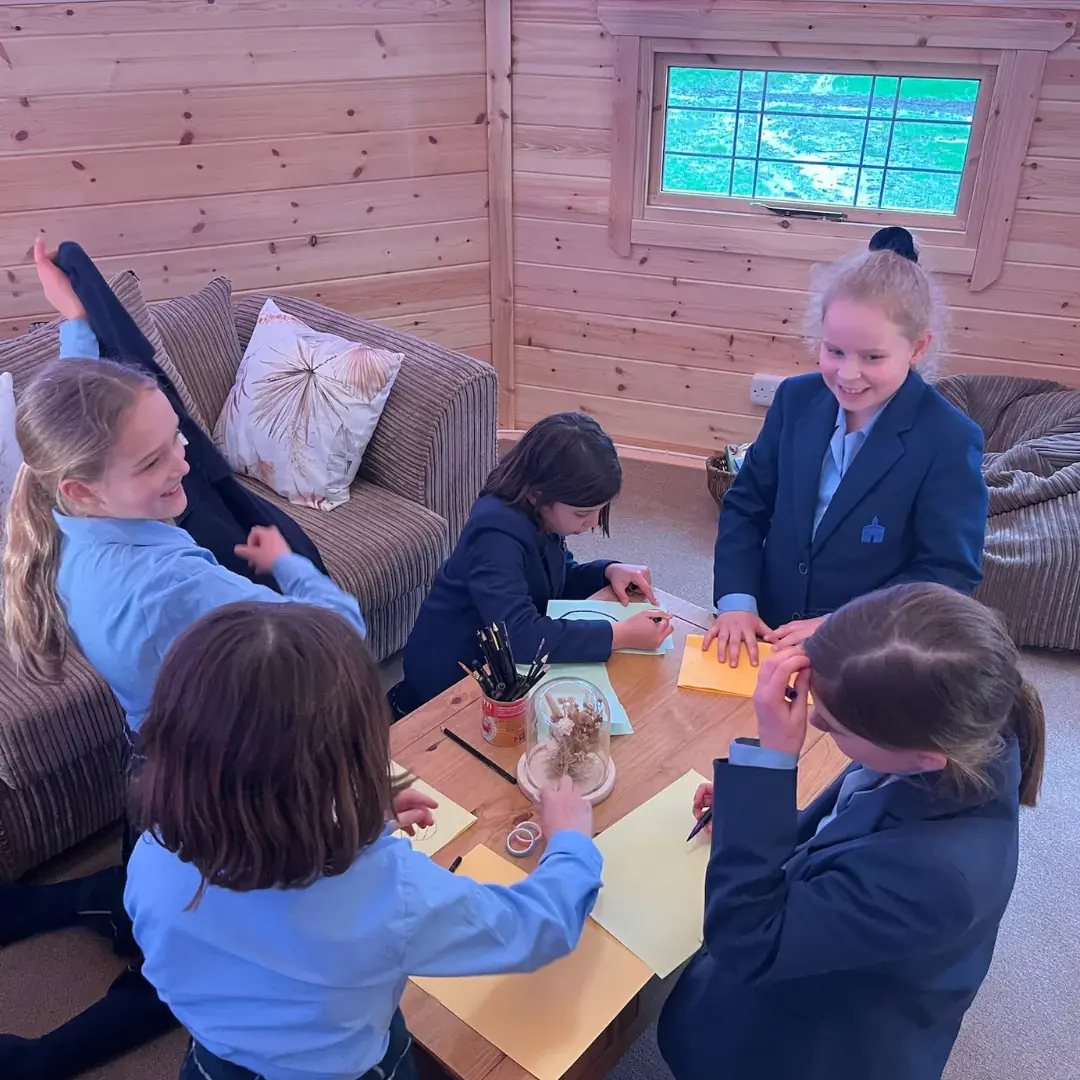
(877,142)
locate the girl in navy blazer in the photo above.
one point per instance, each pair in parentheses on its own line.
(848,941)
(512,558)
(863,475)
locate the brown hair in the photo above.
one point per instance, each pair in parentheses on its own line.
(565,458)
(887,276)
(66,423)
(921,667)
(266,751)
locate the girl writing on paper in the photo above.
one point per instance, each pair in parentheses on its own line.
(848,941)
(278,915)
(863,475)
(94,562)
(512,559)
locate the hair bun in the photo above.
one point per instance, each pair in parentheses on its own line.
(895,239)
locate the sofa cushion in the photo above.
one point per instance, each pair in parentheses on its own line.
(23,356)
(200,334)
(378,545)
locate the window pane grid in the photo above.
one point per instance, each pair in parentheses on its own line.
(867,146)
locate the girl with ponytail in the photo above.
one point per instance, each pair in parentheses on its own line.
(848,941)
(863,475)
(94,561)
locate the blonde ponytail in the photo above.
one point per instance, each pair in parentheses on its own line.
(66,423)
(1028,721)
(34,622)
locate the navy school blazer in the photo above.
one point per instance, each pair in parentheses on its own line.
(503,569)
(911,507)
(848,955)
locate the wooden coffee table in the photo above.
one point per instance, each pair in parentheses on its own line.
(674,731)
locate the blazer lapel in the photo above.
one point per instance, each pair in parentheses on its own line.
(813,430)
(884,447)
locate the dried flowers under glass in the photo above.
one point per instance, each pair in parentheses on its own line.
(569,734)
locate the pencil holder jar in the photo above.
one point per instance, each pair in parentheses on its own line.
(503,722)
(568,734)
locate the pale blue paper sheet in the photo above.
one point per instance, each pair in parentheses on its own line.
(605,609)
(596,674)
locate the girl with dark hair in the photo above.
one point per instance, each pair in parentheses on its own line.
(848,941)
(278,914)
(863,475)
(511,559)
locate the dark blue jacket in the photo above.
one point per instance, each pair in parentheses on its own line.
(856,955)
(503,569)
(918,478)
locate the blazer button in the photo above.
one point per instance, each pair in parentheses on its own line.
(803,568)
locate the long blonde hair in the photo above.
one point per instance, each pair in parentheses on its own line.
(66,423)
(887,276)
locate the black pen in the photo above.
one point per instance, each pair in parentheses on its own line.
(480,757)
(701,823)
(455,864)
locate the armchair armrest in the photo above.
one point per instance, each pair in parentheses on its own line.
(436,440)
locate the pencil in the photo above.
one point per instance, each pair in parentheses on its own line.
(480,757)
(701,823)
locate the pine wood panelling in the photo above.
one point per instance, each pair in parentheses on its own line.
(562,102)
(1050,239)
(1050,183)
(456,328)
(641,423)
(577,198)
(1056,132)
(95,177)
(206,115)
(243,57)
(562,151)
(544,48)
(266,264)
(228,219)
(120,16)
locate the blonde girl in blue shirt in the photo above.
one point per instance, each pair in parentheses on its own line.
(93,561)
(278,914)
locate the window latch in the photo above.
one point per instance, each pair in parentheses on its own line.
(812,215)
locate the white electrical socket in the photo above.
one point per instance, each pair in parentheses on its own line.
(763,389)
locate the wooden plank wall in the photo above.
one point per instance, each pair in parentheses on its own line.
(334,149)
(661,346)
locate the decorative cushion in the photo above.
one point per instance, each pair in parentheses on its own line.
(10,455)
(200,336)
(23,356)
(303,408)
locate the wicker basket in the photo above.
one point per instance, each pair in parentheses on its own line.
(719,476)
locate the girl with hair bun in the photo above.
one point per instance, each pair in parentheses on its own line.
(863,476)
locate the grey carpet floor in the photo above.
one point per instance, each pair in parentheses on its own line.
(1024,1023)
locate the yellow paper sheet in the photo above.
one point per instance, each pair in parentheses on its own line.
(653,899)
(703,671)
(451,820)
(545,1020)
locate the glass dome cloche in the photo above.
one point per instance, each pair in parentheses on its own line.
(568,734)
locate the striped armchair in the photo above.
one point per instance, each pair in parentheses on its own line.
(1031,562)
(62,748)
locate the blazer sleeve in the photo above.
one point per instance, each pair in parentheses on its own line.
(748,511)
(584,579)
(866,908)
(950,516)
(500,592)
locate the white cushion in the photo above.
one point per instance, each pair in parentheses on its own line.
(10,454)
(303,408)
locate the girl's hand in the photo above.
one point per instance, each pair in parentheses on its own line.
(55,283)
(265,545)
(645,630)
(793,633)
(730,631)
(625,579)
(781,715)
(702,801)
(563,808)
(412,810)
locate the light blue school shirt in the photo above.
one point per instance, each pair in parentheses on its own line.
(301,984)
(839,454)
(77,339)
(129,588)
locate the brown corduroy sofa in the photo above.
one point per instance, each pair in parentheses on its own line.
(62,747)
